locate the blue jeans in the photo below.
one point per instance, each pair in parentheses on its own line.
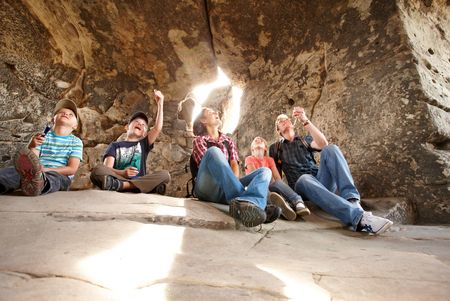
(333,175)
(217,183)
(10,181)
(286,192)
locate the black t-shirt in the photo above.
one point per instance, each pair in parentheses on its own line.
(130,153)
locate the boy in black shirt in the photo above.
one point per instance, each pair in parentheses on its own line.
(124,163)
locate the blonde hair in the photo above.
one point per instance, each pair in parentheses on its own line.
(254,141)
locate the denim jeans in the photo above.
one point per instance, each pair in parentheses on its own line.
(333,175)
(286,192)
(10,181)
(217,183)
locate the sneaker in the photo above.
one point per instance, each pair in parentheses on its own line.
(272,213)
(111,183)
(286,210)
(301,209)
(160,189)
(374,224)
(247,213)
(30,170)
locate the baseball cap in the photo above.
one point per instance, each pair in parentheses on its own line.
(139,114)
(66,104)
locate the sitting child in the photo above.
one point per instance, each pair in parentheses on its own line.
(124,163)
(281,194)
(51,159)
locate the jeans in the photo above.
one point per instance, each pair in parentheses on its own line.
(217,183)
(10,181)
(286,192)
(333,175)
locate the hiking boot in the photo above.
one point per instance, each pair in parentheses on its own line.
(30,170)
(247,213)
(286,210)
(160,189)
(373,224)
(301,209)
(272,213)
(111,183)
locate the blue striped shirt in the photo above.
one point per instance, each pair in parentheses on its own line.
(56,150)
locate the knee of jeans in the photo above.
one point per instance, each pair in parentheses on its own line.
(330,149)
(213,151)
(303,180)
(266,172)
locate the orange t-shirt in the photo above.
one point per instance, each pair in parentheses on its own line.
(265,161)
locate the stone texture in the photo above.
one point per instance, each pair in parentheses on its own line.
(373,75)
(96,245)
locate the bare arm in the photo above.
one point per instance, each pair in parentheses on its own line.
(154,131)
(250,167)
(235,167)
(36,141)
(319,139)
(275,174)
(126,173)
(69,170)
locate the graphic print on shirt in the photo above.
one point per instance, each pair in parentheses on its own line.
(128,157)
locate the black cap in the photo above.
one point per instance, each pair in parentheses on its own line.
(139,114)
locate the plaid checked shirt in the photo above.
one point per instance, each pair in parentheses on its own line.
(200,145)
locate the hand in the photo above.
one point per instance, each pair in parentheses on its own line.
(130,172)
(158,96)
(299,113)
(37,140)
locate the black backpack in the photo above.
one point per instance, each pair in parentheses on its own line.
(193,167)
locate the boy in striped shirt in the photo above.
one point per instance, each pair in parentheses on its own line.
(51,160)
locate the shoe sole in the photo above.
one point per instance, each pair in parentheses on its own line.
(28,166)
(303,212)
(383,229)
(248,214)
(286,210)
(104,183)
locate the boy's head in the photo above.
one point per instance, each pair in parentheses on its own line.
(66,114)
(137,127)
(259,147)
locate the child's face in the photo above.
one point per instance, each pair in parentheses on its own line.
(137,128)
(258,147)
(65,117)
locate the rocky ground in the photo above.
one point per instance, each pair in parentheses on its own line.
(94,245)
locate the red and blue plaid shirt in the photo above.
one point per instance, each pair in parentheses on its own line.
(200,145)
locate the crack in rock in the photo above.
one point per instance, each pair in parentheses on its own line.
(30,276)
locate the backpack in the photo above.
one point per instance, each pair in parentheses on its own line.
(193,167)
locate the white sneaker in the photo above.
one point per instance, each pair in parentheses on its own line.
(374,224)
(301,209)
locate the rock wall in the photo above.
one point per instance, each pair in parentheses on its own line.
(373,75)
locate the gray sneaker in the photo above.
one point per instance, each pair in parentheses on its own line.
(374,224)
(286,210)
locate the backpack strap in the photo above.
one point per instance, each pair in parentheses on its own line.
(275,151)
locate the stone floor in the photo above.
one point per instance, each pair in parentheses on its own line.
(94,245)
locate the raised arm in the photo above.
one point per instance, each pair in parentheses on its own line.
(319,139)
(156,129)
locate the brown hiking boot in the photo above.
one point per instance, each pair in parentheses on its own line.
(30,170)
